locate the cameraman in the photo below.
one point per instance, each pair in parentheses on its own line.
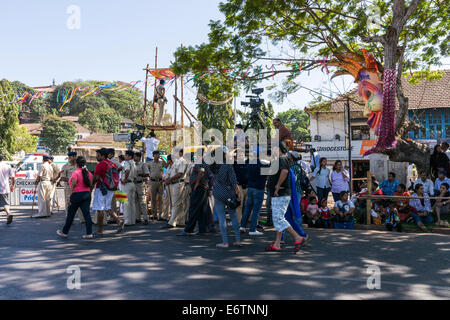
(151,145)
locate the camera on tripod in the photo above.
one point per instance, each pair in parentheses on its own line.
(256,103)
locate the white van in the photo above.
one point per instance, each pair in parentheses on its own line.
(28,167)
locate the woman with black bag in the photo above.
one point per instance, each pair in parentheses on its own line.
(227,196)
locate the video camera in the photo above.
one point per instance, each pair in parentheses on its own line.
(255,104)
(132,138)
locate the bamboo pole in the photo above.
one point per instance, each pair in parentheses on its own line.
(182,100)
(145,96)
(154,94)
(368,201)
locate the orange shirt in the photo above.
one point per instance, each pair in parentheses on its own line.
(402,202)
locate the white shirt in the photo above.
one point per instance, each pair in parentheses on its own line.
(6,172)
(427,185)
(151,144)
(305,167)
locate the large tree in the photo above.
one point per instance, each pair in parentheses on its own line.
(58,134)
(298,122)
(99,117)
(9,115)
(407,36)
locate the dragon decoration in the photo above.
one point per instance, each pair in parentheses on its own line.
(378,95)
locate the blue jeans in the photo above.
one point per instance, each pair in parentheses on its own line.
(255,198)
(221,213)
(336,196)
(344,225)
(417,218)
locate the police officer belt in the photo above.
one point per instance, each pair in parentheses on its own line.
(155,180)
(175,182)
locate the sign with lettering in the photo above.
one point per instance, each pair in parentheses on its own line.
(27,191)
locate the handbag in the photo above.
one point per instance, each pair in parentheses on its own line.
(232,204)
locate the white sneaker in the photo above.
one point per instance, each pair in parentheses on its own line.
(242,230)
(256,233)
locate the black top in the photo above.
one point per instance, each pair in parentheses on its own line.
(285,189)
(242,173)
(255,179)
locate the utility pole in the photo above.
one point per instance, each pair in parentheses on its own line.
(348,143)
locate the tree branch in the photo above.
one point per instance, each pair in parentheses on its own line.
(373,39)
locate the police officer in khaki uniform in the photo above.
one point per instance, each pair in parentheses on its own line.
(156,168)
(128,176)
(54,194)
(142,173)
(45,187)
(65,174)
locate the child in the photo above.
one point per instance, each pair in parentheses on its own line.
(312,212)
(325,215)
(392,218)
(343,209)
(404,211)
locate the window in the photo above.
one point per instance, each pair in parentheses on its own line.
(360,133)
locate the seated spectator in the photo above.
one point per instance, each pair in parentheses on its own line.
(442,178)
(404,210)
(443,205)
(325,215)
(428,185)
(390,185)
(305,200)
(421,208)
(343,210)
(312,213)
(392,220)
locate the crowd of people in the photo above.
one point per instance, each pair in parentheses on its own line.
(187,192)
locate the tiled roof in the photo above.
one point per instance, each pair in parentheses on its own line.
(424,95)
(99,137)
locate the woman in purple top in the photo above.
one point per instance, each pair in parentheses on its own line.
(339,180)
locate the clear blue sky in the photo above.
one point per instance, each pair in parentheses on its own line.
(116,40)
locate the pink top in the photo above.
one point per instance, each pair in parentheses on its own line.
(80,187)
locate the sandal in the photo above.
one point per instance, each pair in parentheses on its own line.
(271,248)
(61,234)
(238,244)
(222,245)
(299,245)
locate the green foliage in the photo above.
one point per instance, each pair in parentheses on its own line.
(100,118)
(37,108)
(317,29)
(215,117)
(127,104)
(57,134)
(298,122)
(9,113)
(24,141)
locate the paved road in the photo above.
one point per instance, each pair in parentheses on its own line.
(146,262)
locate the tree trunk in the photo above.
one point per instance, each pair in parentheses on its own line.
(411,151)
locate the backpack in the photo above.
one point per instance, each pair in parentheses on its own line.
(304,180)
(112,176)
